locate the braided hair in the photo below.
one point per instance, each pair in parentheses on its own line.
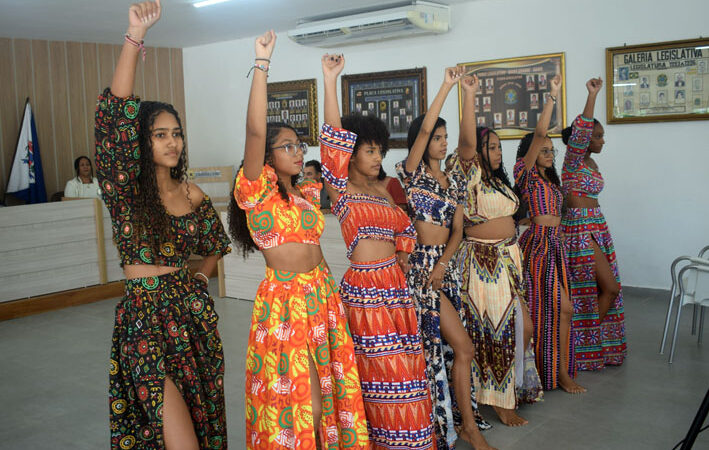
(238,227)
(151,216)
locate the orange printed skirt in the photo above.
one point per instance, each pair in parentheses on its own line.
(296,316)
(389,355)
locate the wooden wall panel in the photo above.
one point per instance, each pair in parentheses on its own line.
(8,113)
(150,77)
(89,59)
(42,109)
(77,104)
(164,74)
(64,149)
(63,80)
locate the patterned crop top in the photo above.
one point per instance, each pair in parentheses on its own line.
(482,202)
(361,216)
(117,169)
(271,220)
(428,201)
(542,196)
(576,177)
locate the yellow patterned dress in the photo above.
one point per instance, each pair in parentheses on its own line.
(296,315)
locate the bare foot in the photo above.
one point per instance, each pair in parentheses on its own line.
(569,385)
(474,437)
(509,417)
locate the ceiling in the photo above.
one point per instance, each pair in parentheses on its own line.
(182,25)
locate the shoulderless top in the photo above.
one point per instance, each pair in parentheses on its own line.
(576,177)
(361,216)
(482,202)
(272,221)
(542,196)
(428,200)
(118,168)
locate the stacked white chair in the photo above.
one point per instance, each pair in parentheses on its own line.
(690,286)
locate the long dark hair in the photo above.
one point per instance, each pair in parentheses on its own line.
(150,214)
(498,178)
(414,129)
(522,150)
(76,165)
(238,228)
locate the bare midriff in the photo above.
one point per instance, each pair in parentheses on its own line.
(547,220)
(133,271)
(293,257)
(430,234)
(372,250)
(575,201)
(498,228)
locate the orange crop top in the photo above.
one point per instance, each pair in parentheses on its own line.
(361,216)
(271,220)
(483,202)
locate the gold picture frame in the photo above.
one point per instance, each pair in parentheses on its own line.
(659,82)
(396,97)
(512,93)
(296,104)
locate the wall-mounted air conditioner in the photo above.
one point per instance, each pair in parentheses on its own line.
(417,18)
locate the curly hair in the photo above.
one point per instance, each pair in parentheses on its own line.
(238,227)
(498,178)
(369,129)
(414,129)
(522,150)
(151,216)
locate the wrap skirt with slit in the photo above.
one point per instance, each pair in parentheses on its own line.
(165,326)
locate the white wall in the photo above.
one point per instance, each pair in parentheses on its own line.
(657,174)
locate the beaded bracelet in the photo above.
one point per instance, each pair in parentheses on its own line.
(135,43)
(553,99)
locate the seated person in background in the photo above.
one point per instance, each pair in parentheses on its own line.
(85,184)
(313,171)
(393,186)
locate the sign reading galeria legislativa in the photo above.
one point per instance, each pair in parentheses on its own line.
(658,82)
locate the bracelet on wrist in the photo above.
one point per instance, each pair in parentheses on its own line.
(135,43)
(260,67)
(262,59)
(204,276)
(553,99)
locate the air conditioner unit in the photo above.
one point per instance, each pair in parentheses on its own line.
(417,18)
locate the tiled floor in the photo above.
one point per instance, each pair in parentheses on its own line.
(54,369)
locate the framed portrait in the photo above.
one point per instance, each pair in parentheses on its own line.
(514,91)
(295,103)
(397,97)
(658,82)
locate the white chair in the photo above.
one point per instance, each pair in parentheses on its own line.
(687,289)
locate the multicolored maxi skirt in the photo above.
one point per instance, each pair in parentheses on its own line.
(492,295)
(165,326)
(439,355)
(389,355)
(596,344)
(298,316)
(545,275)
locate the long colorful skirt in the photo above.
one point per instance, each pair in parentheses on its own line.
(545,275)
(492,294)
(389,355)
(596,344)
(296,317)
(165,326)
(439,355)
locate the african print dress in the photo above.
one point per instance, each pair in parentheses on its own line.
(165,326)
(297,317)
(545,273)
(380,310)
(492,294)
(596,344)
(431,203)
